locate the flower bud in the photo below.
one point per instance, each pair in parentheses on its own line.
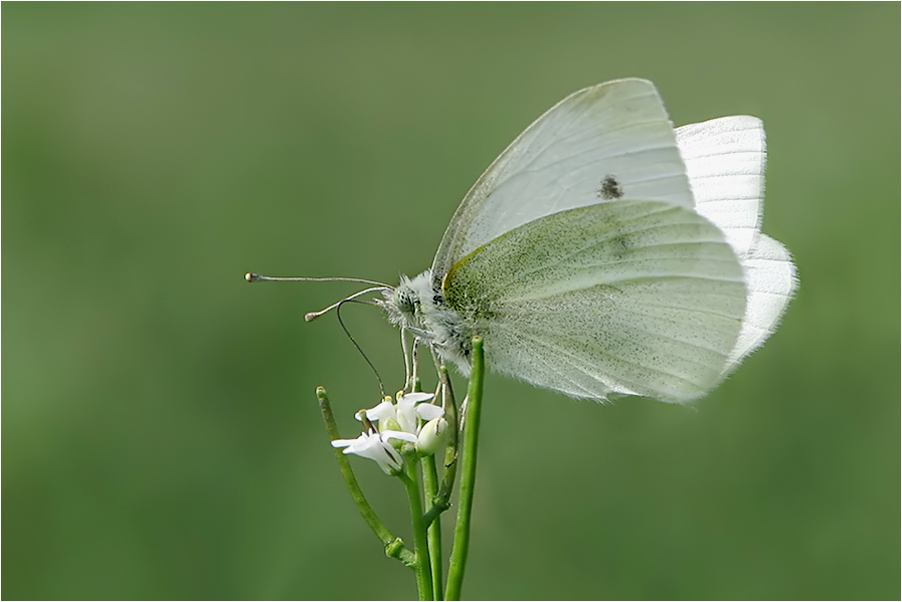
(389,424)
(433,436)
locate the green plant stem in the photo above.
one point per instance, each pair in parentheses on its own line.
(442,501)
(467,476)
(451,452)
(394,547)
(434,528)
(422,566)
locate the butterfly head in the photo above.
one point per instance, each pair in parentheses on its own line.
(420,309)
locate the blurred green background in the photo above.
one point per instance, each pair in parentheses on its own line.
(161,438)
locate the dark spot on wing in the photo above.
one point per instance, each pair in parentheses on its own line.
(610,189)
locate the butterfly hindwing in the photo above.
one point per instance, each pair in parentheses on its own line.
(771,282)
(725,160)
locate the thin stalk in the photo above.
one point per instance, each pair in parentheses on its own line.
(467,475)
(422,567)
(451,452)
(433,529)
(394,547)
(442,501)
(430,489)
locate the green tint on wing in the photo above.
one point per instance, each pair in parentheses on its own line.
(634,297)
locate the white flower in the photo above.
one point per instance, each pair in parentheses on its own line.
(377,447)
(405,414)
(400,421)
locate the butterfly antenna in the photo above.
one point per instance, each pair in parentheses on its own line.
(347,332)
(315,314)
(377,286)
(252,277)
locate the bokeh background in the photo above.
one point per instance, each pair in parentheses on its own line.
(160,435)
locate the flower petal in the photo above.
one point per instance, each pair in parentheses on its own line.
(383,411)
(417,397)
(372,447)
(402,435)
(428,412)
(406,413)
(345,442)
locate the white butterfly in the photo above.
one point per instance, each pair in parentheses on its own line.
(606,254)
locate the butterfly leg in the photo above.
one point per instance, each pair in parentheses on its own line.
(413,380)
(407,381)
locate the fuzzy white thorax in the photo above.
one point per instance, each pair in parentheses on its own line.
(419,308)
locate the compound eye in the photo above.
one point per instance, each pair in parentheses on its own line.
(406,302)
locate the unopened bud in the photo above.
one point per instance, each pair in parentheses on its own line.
(389,424)
(433,436)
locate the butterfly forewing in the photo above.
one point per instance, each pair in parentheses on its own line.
(634,297)
(606,143)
